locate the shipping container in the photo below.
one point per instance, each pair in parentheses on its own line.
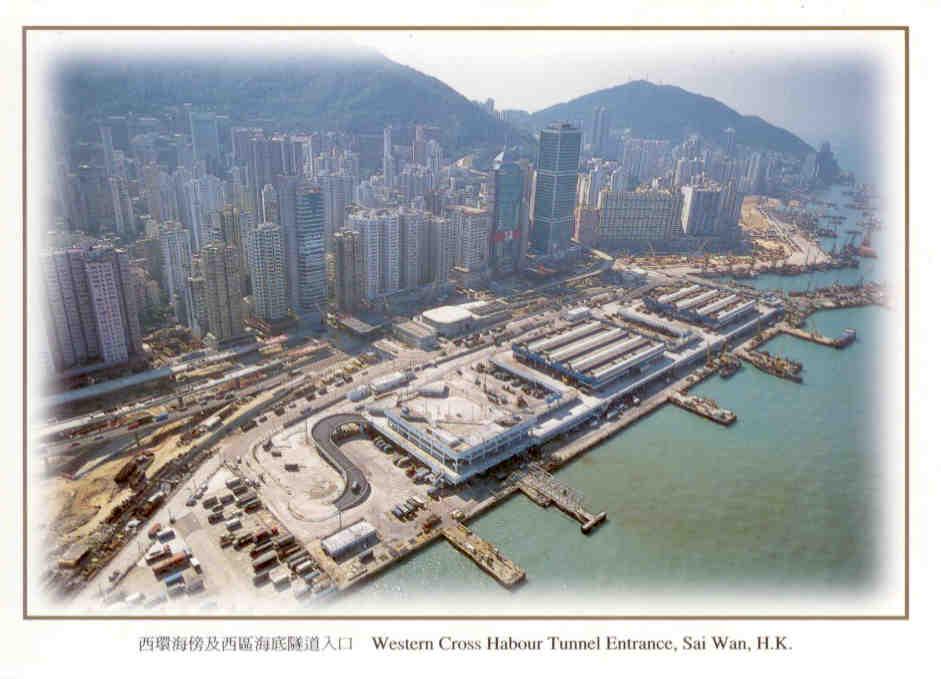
(175,579)
(243,539)
(175,562)
(260,549)
(264,561)
(246,498)
(283,540)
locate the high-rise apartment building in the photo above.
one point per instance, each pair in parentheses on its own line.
(380,239)
(556,184)
(473,242)
(222,272)
(411,227)
(638,216)
(267,266)
(600,130)
(91,307)
(269,205)
(388,160)
(348,284)
(701,210)
(177,259)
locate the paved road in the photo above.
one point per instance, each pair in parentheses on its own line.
(322,433)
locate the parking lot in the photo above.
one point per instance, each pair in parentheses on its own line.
(218,569)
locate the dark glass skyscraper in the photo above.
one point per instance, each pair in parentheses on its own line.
(506,235)
(204,130)
(311,261)
(556,187)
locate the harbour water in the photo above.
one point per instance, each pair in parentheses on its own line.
(787,498)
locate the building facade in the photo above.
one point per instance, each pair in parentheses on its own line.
(556,188)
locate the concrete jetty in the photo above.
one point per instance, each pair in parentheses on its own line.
(837,343)
(544,489)
(485,555)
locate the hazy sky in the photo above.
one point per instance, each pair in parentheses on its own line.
(816,84)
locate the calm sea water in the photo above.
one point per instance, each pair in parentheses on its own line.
(785,498)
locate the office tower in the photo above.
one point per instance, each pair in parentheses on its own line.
(223,284)
(311,256)
(286,187)
(177,259)
(348,286)
(508,210)
(123,210)
(728,142)
(267,267)
(269,205)
(555,192)
(388,161)
(701,210)
(204,131)
(638,216)
(600,130)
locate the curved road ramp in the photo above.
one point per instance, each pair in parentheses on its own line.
(357,487)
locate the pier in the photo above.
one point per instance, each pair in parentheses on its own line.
(485,555)
(845,339)
(544,489)
(703,407)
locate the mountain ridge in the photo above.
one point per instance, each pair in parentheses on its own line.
(671,112)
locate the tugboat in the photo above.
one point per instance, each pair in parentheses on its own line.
(847,338)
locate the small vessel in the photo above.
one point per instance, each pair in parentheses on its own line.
(847,338)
